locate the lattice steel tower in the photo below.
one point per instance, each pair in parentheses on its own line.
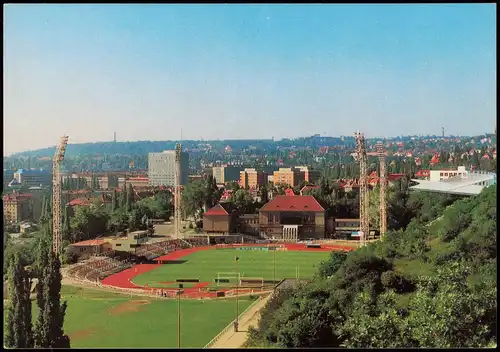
(364,201)
(177,191)
(381,154)
(383,189)
(56,195)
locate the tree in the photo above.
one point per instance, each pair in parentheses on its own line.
(114,201)
(243,201)
(330,266)
(66,223)
(369,325)
(43,212)
(213,193)
(445,313)
(264,196)
(88,223)
(194,199)
(19,332)
(374,199)
(475,159)
(129,197)
(123,197)
(49,332)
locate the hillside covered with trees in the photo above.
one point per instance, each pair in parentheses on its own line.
(431,283)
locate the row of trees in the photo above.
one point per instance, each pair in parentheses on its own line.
(48,331)
(123,212)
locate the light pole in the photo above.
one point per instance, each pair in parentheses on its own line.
(237,284)
(274,266)
(179,291)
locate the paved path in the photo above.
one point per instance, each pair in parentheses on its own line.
(231,339)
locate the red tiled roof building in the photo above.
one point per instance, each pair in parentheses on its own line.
(221,219)
(292,218)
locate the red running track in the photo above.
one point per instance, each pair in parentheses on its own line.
(124,278)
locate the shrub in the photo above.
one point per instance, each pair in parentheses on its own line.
(329,267)
(397,282)
(448,256)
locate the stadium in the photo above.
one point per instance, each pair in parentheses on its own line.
(121,294)
(202,271)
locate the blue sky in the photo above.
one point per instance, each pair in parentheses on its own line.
(245,71)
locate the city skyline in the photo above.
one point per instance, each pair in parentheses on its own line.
(236,71)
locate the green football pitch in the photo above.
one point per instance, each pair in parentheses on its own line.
(101,319)
(206,264)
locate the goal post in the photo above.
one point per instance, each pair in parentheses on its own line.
(228,276)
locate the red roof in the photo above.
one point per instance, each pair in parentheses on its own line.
(394,177)
(138,179)
(16,196)
(297,203)
(216,210)
(96,242)
(77,191)
(79,201)
(289,192)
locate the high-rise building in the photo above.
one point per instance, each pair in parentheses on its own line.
(289,176)
(310,175)
(223,174)
(161,168)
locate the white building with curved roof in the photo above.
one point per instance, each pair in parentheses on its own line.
(459,181)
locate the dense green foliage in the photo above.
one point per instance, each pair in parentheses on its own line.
(49,331)
(18,332)
(428,284)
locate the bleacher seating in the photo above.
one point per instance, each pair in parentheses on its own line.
(196,241)
(99,268)
(111,262)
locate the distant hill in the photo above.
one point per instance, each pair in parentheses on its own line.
(145,147)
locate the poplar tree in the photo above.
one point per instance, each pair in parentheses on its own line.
(114,203)
(48,207)
(67,223)
(130,197)
(123,197)
(44,207)
(19,332)
(49,332)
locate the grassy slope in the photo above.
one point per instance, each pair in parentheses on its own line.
(204,265)
(91,322)
(416,268)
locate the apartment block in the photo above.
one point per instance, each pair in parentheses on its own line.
(161,168)
(17,207)
(224,174)
(289,176)
(251,178)
(310,175)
